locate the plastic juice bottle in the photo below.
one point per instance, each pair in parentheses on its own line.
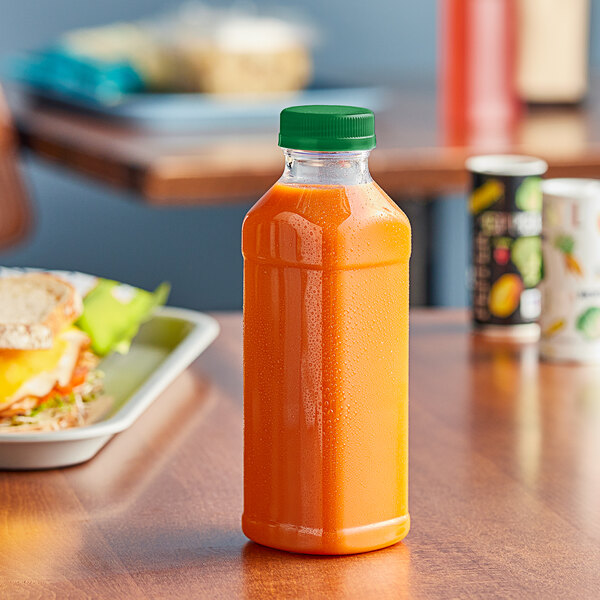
(326,257)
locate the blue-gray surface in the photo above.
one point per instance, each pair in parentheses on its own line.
(81,225)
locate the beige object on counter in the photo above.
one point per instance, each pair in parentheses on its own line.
(199,49)
(219,71)
(124,42)
(243,54)
(552,57)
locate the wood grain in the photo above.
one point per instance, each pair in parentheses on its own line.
(414,159)
(505,491)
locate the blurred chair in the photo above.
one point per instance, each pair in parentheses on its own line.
(15,211)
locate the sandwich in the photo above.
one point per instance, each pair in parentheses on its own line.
(48,374)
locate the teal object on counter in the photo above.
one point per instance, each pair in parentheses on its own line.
(60,70)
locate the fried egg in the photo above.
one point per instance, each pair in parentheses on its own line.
(35,373)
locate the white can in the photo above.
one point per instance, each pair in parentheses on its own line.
(570,319)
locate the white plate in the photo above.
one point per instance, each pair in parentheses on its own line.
(163,348)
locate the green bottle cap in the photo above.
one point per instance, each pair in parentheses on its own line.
(327,128)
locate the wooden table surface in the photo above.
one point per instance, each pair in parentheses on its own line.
(417,156)
(505,491)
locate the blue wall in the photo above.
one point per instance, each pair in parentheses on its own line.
(83,225)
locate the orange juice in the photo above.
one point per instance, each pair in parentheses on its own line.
(326,358)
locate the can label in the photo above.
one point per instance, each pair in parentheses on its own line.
(570,323)
(507,251)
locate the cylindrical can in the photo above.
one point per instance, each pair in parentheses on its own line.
(570,320)
(506,204)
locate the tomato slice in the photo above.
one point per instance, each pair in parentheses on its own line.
(79,376)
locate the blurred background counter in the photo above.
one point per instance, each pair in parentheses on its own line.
(177,196)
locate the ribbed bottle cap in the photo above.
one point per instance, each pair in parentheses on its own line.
(327,128)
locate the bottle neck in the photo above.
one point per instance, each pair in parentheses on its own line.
(326,168)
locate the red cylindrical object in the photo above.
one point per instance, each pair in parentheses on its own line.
(477,70)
